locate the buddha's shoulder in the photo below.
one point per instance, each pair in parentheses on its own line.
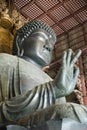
(3,55)
(7,59)
(11,59)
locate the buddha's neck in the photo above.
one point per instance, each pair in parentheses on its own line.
(31,61)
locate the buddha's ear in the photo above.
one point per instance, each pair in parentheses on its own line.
(21,52)
(17,46)
(18,42)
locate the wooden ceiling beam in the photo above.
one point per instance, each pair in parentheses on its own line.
(72,14)
(29,3)
(79,25)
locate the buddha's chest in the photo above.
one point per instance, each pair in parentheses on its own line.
(32,79)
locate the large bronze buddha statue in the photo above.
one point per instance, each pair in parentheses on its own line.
(28,94)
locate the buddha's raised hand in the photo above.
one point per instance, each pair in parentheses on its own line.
(67,76)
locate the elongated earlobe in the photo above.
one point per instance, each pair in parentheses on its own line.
(21,52)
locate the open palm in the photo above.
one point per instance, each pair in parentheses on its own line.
(68,75)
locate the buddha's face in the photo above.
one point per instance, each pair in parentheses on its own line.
(39,46)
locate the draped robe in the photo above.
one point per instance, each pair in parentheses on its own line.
(27,95)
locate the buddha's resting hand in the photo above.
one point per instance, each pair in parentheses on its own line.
(67,77)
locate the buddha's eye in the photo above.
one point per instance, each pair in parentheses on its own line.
(47,48)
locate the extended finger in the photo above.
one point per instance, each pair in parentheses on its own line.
(69,56)
(76,74)
(76,58)
(64,59)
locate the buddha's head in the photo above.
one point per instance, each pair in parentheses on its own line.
(35,40)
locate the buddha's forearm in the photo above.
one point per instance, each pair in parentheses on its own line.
(40,97)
